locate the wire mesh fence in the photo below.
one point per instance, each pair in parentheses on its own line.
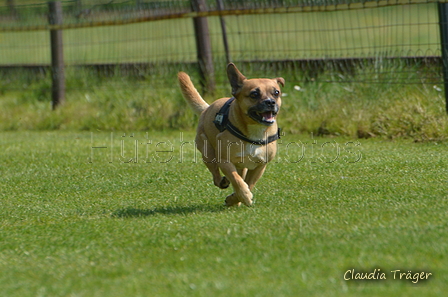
(379,41)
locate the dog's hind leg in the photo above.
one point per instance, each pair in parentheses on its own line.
(232,200)
(209,158)
(220,181)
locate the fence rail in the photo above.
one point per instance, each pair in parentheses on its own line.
(76,19)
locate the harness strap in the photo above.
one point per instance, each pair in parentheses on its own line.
(222,123)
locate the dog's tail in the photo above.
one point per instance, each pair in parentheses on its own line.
(190,93)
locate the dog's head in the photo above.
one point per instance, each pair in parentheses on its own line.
(260,98)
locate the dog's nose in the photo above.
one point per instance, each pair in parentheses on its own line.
(270,102)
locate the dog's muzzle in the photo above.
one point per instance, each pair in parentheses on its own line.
(264,112)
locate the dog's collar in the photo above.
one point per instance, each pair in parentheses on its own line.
(222,123)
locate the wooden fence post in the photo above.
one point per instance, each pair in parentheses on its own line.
(78,5)
(443,26)
(220,6)
(204,48)
(57,55)
(12,8)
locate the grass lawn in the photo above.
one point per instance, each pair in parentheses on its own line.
(79,221)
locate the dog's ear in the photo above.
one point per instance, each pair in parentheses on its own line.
(235,78)
(280,81)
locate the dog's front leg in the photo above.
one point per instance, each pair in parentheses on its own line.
(254,175)
(242,172)
(250,177)
(242,191)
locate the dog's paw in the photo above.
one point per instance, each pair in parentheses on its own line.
(224,183)
(246,198)
(232,200)
(247,202)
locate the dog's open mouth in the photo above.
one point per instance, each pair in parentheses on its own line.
(265,118)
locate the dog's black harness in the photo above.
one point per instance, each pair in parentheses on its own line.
(222,123)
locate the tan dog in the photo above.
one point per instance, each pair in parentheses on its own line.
(237,137)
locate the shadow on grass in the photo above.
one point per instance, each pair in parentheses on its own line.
(131,212)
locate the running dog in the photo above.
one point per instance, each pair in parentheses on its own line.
(237,135)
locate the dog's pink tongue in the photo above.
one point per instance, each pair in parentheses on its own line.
(268,116)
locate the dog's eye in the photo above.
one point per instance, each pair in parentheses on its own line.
(254,94)
(276,93)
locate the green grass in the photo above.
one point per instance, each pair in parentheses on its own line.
(153,101)
(74,228)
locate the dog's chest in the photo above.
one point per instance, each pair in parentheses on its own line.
(251,156)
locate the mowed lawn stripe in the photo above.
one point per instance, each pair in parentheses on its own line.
(71,227)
